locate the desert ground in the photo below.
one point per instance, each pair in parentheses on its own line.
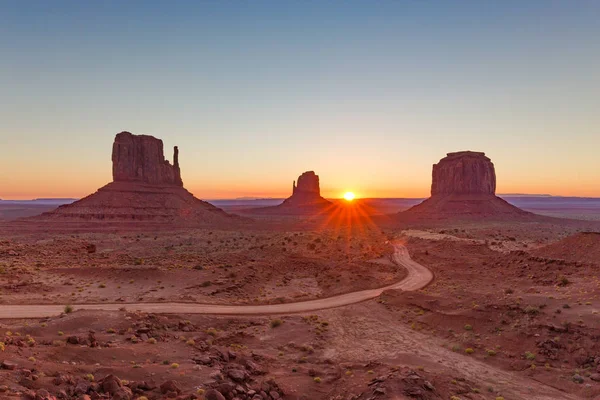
(511,311)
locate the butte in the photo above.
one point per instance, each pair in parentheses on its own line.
(305,199)
(145,187)
(464,185)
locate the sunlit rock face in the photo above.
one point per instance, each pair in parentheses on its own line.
(464,185)
(465,172)
(140,158)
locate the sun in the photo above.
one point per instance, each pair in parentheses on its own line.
(349,196)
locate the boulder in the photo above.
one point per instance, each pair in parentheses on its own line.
(212,394)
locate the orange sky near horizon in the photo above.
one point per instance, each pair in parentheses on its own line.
(81,183)
(368,96)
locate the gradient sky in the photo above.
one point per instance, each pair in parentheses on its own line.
(367,94)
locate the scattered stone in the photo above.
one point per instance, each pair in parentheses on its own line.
(213,394)
(10,365)
(170,386)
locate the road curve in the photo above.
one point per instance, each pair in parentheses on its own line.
(417,277)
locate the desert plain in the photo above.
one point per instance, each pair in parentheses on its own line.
(141,291)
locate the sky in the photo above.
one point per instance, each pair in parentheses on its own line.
(367,94)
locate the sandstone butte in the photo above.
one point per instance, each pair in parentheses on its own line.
(145,187)
(463,184)
(305,199)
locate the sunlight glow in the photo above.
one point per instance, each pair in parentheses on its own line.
(349,196)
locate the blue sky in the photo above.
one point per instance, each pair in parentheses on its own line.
(367,94)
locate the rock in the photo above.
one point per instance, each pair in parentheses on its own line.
(145,187)
(253,367)
(213,394)
(237,375)
(595,377)
(463,183)
(110,384)
(578,378)
(140,158)
(170,386)
(308,182)
(274,395)
(10,365)
(73,340)
(43,394)
(306,193)
(216,375)
(464,172)
(82,387)
(203,360)
(123,393)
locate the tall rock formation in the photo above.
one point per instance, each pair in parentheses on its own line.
(464,172)
(305,199)
(307,192)
(145,187)
(463,184)
(140,158)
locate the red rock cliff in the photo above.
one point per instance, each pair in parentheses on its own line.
(465,172)
(140,158)
(308,182)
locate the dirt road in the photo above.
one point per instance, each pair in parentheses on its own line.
(417,277)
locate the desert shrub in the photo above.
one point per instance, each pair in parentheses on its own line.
(563,281)
(276,322)
(68,309)
(468,327)
(206,284)
(211,331)
(151,341)
(174,365)
(190,342)
(469,350)
(532,310)
(317,379)
(491,352)
(2,346)
(89,377)
(529,355)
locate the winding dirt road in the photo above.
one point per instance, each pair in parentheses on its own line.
(417,277)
